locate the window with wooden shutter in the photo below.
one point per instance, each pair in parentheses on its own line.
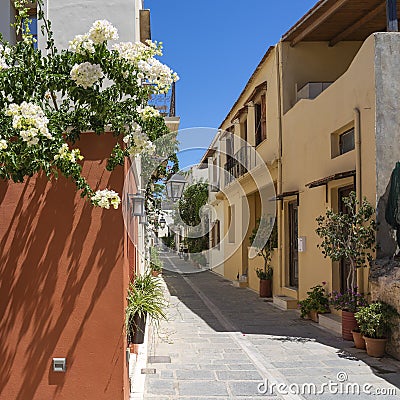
(263,117)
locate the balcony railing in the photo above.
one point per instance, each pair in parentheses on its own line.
(164,103)
(243,161)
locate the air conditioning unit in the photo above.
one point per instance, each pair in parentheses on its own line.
(312,89)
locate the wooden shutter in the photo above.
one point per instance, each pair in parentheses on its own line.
(263,118)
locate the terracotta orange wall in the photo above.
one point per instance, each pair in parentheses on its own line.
(63,280)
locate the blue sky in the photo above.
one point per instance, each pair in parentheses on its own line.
(215,45)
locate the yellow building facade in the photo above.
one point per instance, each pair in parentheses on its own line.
(313,111)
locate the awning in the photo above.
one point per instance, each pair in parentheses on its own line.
(325,181)
(286,194)
(335,177)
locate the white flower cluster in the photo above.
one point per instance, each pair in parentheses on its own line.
(30,120)
(150,69)
(86,74)
(81,44)
(106,198)
(148,112)
(134,52)
(158,74)
(4,51)
(139,143)
(65,154)
(3,144)
(101,31)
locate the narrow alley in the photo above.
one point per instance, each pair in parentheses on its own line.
(223,342)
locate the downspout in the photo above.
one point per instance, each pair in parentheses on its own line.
(279,183)
(357,143)
(357,139)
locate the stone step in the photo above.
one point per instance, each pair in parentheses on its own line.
(331,322)
(285,302)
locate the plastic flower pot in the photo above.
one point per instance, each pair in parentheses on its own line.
(375,347)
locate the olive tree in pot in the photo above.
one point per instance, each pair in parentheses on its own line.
(264,239)
(350,236)
(145,300)
(375,322)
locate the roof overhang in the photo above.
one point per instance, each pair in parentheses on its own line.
(334,21)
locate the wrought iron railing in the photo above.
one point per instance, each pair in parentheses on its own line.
(239,164)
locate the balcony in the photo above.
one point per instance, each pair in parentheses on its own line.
(164,103)
(239,164)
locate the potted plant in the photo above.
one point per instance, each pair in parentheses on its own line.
(264,239)
(145,299)
(349,236)
(317,302)
(375,322)
(349,303)
(156,263)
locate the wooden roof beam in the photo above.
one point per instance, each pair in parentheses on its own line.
(311,28)
(352,28)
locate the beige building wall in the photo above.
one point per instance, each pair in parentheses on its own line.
(309,128)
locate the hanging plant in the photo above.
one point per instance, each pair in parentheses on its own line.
(48,99)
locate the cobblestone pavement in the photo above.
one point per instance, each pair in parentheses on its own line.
(222,342)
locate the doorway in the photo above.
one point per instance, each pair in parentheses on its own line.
(293,244)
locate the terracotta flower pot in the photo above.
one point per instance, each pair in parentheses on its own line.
(359,341)
(375,347)
(134,348)
(348,324)
(265,288)
(313,315)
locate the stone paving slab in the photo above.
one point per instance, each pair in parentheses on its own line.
(224,342)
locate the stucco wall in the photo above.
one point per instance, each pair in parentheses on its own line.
(63,287)
(307,130)
(313,62)
(387,78)
(6,18)
(76,17)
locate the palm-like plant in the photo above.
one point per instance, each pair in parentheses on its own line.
(145,299)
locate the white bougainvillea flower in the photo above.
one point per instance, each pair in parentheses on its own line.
(4,51)
(138,143)
(30,120)
(148,112)
(106,198)
(81,44)
(3,144)
(86,74)
(134,52)
(65,154)
(101,31)
(158,74)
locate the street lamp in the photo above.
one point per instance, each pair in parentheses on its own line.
(136,202)
(162,222)
(175,186)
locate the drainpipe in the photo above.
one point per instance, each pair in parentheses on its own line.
(279,183)
(357,140)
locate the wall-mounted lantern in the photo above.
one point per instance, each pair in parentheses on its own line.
(175,186)
(162,222)
(137,203)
